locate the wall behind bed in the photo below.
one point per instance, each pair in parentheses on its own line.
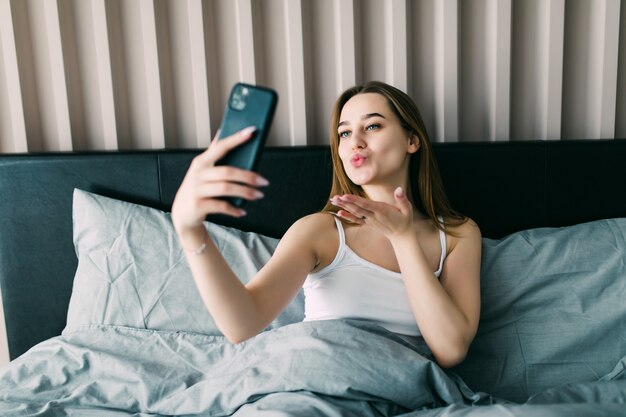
(119,74)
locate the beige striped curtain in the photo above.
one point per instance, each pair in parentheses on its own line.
(151,74)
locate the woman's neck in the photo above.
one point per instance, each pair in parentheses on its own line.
(385,192)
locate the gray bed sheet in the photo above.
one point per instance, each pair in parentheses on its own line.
(325,368)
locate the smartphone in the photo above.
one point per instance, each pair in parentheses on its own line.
(248,105)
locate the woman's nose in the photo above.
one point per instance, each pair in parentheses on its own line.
(357,141)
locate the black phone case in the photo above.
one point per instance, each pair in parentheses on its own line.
(248,105)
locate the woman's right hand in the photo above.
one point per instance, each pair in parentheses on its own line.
(198,194)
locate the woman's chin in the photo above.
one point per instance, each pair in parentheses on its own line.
(360,179)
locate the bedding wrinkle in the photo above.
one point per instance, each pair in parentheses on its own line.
(140,304)
(104,311)
(179,353)
(137,379)
(114,272)
(165,311)
(501,372)
(42,379)
(597,393)
(619,234)
(104,294)
(524,363)
(157,299)
(618,372)
(308,404)
(526,237)
(102,268)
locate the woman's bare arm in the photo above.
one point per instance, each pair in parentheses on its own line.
(239,311)
(447,310)
(242,311)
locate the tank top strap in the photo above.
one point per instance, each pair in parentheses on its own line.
(342,234)
(444,245)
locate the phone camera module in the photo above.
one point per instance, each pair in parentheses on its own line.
(239,99)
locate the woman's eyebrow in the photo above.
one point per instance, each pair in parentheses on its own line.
(370,115)
(364,117)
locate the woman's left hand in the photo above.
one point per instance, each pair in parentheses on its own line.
(390,219)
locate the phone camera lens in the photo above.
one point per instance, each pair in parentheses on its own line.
(238,100)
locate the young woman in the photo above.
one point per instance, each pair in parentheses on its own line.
(386,248)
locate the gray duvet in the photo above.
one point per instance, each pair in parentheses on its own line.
(326,368)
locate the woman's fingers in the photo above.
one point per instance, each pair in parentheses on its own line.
(350,214)
(219,189)
(214,206)
(389,218)
(194,202)
(350,217)
(232,174)
(209,197)
(204,184)
(220,147)
(360,209)
(403,202)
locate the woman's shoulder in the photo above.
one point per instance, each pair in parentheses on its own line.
(314,225)
(465,229)
(319,221)
(461,225)
(316,233)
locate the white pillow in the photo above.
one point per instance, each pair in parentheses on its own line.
(132,270)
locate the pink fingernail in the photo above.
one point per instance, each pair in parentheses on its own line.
(262,181)
(248,130)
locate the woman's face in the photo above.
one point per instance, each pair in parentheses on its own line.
(373,146)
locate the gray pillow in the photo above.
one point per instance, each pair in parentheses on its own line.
(553,309)
(132,270)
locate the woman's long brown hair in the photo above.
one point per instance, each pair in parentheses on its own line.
(427,192)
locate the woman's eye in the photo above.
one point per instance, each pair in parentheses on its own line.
(344,134)
(372,126)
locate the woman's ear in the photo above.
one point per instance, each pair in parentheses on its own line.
(414,143)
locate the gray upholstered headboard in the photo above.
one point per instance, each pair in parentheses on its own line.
(505,187)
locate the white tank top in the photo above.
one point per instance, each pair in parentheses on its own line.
(351,287)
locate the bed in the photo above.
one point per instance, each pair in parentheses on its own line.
(102,316)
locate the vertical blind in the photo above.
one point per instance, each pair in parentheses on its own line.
(150,74)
